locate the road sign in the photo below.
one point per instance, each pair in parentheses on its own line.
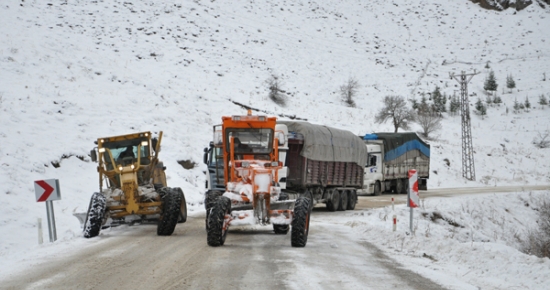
(47,190)
(413,189)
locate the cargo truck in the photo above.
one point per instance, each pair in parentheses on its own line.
(390,157)
(324,164)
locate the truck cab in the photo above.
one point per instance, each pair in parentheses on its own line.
(373,174)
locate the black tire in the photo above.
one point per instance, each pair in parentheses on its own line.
(343,205)
(171,202)
(95,216)
(183,207)
(377,188)
(300,223)
(281,229)
(210,198)
(333,201)
(398,186)
(352,200)
(217,227)
(309,195)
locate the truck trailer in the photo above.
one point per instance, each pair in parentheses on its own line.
(390,157)
(324,164)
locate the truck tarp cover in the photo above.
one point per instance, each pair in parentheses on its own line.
(397,144)
(322,143)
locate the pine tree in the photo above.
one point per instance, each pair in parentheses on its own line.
(516,105)
(497,100)
(480,108)
(542,100)
(490,83)
(510,83)
(439,100)
(527,103)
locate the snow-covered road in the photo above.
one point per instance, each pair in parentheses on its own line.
(252,258)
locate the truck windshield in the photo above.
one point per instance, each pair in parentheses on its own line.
(250,141)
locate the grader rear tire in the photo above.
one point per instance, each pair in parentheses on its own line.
(183,207)
(300,223)
(171,203)
(95,216)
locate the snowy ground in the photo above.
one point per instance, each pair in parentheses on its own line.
(73,71)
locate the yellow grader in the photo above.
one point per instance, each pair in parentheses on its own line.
(249,145)
(132,186)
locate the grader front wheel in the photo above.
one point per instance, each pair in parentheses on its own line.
(300,223)
(95,216)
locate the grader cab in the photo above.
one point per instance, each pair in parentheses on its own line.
(253,195)
(132,186)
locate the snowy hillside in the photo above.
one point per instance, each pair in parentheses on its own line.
(73,71)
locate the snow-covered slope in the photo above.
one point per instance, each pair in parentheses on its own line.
(73,71)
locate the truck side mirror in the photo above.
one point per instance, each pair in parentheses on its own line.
(205,156)
(93,155)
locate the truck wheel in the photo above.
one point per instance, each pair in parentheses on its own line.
(352,200)
(398,186)
(333,200)
(95,216)
(309,195)
(171,203)
(217,224)
(377,188)
(183,207)
(210,198)
(300,223)
(343,205)
(280,229)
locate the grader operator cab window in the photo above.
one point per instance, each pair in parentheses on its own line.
(126,152)
(250,141)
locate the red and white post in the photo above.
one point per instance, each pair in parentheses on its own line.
(413,199)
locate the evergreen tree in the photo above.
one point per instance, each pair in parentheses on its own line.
(490,83)
(480,108)
(516,105)
(454,106)
(497,100)
(542,100)
(439,100)
(510,83)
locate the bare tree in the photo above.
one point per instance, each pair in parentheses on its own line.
(395,108)
(276,93)
(542,140)
(349,91)
(429,121)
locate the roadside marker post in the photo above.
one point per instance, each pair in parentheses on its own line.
(48,191)
(412,194)
(394,216)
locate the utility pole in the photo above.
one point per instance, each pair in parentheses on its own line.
(468,169)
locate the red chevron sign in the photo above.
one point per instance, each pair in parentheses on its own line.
(47,190)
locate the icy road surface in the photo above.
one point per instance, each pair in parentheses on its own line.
(134,257)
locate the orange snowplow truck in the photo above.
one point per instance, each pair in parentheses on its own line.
(253,195)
